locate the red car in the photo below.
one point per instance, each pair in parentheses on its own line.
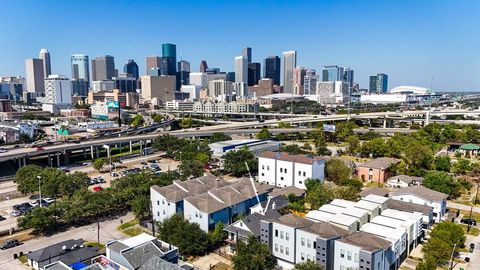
(97,189)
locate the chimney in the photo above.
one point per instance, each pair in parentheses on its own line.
(273,206)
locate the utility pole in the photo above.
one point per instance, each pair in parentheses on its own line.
(40,189)
(451,257)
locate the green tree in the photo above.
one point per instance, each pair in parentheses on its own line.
(308,265)
(253,255)
(234,161)
(292,149)
(284,125)
(442,182)
(369,135)
(99,163)
(188,237)
(442,163)
(40,219)
(349,193)
(344,129)
(157,118)
(353,144)
(26,178)
(191,167)
(264,134)
(374,148)
(462,166)
(140,206)
(427,264)
(438,250)
(137,120)
(219,136)
(336,170)
(186,122)
(318,194)
(217,235)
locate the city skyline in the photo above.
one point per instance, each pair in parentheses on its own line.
(433,43)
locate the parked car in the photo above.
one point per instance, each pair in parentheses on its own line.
(97,189)
(34,203)
(15,213)
(48,200)
(34,197)
(10,244)
(2,218)
(64,169)
(143,163)
(469,221)
(153,161)
(3,150)
(114,174)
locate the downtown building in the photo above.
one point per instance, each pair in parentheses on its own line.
(80,74)
(378,84)
(58,94)
(289,64)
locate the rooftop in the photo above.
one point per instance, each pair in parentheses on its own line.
(409,207)
(406,178)
(366,241)
(421,192)
(292,158)
(380,163)
(469,146)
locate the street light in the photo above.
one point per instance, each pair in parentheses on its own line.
(9,217)
(40,189)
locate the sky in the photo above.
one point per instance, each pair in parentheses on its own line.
(416,42)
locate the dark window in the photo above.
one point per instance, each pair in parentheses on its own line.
(276,233)
(314,244)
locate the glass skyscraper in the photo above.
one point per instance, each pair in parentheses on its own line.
(271,69)
(131,68)
(80,67)
(378,83)
(170,50)
(332,73)
(289,64)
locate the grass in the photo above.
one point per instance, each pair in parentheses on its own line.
(23,259)
(133,231)
(473,230)
(127,225)
(475,215)
(95,244)
(373,184)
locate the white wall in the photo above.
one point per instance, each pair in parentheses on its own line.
(345,262)
(192,214)
(266,171)
(281,242)
(161,208)
(309,253)
(284,173)
(438,208)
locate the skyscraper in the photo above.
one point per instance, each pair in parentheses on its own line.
(253,73)
(241,69)
(170,50)
(45,56)
(167,66)
(310,82)
(183,66)
(183,73)
(332,73)
(379,83)
(348,76)
(289,63)
(79,64)
(151,61)
(131,68)
(203,66)
(103,68)
(35,75)
(271,68)
(247,52)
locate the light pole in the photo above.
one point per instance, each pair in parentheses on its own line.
(9,217)
(40,189)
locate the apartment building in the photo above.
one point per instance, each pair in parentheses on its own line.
(284,170)
(376,170)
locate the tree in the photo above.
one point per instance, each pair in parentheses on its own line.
(26,178)
(186,122)
(336,170)
(40,219)
(157,118)
(462,166)
(374,148)
(219,136)
(318,194)
(427,264)
(234,161)
(188,237)
(442,182)
(344,129)
(217,235)
(264,134)
(438,250)
(353,144)
(253,255)
(292,149)
(140,206)
(137,120)
(191,167)
(308,265)
(99,163)
(442,163)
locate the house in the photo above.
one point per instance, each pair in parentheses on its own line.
(375,191)
(423,196)
(224,204)
(293,240)
(424,210)
(143,252)
(402,180)
(362,250)
(376,170)
(398,238)
(284,170)
(469,150)
(68,252)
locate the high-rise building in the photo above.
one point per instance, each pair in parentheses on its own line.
(332,73)
(103,68)
(183,73)
(45,56)
(183,66)
(58,90)
(167,66)
(348,76)
(253,73)
(79,64)
(221,90)
(247,52)
(151,61)
(289,63)
(310,82)
(379,83)
(131,68)
(170,50)
(271,69)
(160,87)
(241,69)
(203,66)
(125,83)
(263,88)
(35,75)
(241,90)
(298,80)
(198,78)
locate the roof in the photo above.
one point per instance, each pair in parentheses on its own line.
(140,254)
(287,191)
(375,191)
(54,250)
(380,163)
(409,207)
(421,192)
(73,256)
(252,222)
(375,199)
(319,215)
(370,206)
(292,158)
(410,89)
(469,146)
(117,246)
(406,178)
(137,240)
(366,241)
(154,263)
(294,221)
(387,232)
(326,230)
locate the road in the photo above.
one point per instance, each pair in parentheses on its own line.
(108,232)
(462,207)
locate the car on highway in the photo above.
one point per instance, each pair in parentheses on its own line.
(469,221)
(10,244)
(3,150)
(39,148)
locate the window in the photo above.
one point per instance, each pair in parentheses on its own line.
(276,233)
(281,178)
(163,201)
(281,169)
(285,170)
(263,174)
(349,255)
(286,250)
(196,214)
(314,244)
(281,249)
(158,202)
(268,168)
(299,173)
(276,247)
(164,212)
(303,241)
(342,253)
(168,204)
(302,256)
(309,257)
(304,174)
(287,236)
(309,243)
(281,234)
(158,213)
(263,167)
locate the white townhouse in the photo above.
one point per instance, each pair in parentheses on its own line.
(423,196)
(284,170)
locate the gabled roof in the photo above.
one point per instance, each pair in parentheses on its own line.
(54,250)
(380,163)
(287,191)
(292,158)
(421,192)
(139,255)
(326,230)
(155,263)
(406,178)
(409,207)
(294,221)
(366,241)
(375,191)
(252,223)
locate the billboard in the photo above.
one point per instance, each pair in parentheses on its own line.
(329,128)
(112,104)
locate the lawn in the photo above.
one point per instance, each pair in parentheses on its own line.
(475,215)
(473,230)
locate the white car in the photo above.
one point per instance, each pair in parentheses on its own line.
(34,203)
(49,200)
(15,213)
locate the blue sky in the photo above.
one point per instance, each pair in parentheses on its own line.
(412,41)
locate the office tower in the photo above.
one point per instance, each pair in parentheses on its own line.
(247,52)
(170,50)
(151,61)
(167,66)
(271,68)
(45,56)
(203,66)
(183,73)
(230,76)
(192,90)
(241,69)
(125,83)
(310,82)
(103,68)
(240,89)
(263,88)
(253,73)
(131,68)
(80,87)
(5,105)
(289,63)
(79,64)
(35,75)
(221,90)
(183,66)
(58,90)
(160,87)
(348,76)
(198,78)
(213,70)
(298,75)
(332,73)
(379,83)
